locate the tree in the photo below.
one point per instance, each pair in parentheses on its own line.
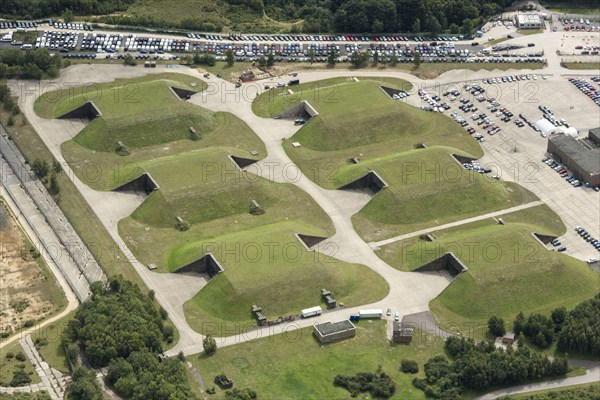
(40,168)
(68,15)
(332,58)
(376,58)
(129,60)
(84,386)
(496,326)
(416,28)
(394,60)
(359,60)
(54,184)
(558,317)
(409,366)
(229,57)
(417,59)
(434,26)
(467,27)
(311,55)
(270,59)
(20,378)
(210,345)
(262,61)
(56,167)
(454,28)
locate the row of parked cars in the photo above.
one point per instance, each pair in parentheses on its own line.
(328,38)
(511,78)
(549,115)
(150,45)
(587,88)
(562,170)
(17,24)
(590,239)
(557,243)
(79,26)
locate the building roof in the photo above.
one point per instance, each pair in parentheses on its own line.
(509,335)
(545,126)
(529,19)
(403,329)
(587,158)
(329,328)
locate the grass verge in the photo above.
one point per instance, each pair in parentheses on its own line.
(265,364)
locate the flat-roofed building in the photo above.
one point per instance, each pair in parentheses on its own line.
(581,157)
(529,21)
(328,332)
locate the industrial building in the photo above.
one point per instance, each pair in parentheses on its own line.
(529,21)
(328,332)
(581,157)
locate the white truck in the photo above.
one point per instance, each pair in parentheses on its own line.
(373,313)
(311,312)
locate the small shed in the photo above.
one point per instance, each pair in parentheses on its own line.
(401,333)
(508,338)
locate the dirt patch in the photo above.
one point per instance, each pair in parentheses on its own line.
(29,291)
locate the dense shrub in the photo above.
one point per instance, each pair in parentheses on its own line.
(409,366)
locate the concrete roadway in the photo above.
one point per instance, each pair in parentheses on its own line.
(592,374)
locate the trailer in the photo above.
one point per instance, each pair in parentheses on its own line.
(374,313)
(311,312)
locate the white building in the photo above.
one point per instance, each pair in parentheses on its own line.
(529,21)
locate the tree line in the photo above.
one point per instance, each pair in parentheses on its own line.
(318,16)
(30,64)
(121,328)
(481,366)
(577,330)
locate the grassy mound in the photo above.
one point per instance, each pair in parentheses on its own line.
(509,270)
(427,187)
(268,266)
(138,112)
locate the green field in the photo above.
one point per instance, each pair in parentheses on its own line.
(509,270)
(52,352)
(594,66)
(590,391)
(266,365)
(9,366)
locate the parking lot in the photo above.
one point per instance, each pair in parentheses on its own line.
(500,112)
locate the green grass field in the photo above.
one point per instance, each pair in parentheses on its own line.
(586,66)
(229,14)
(509,270)
(53,353)
(267,366)
(9,366)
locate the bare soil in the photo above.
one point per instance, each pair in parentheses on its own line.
(28,290)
